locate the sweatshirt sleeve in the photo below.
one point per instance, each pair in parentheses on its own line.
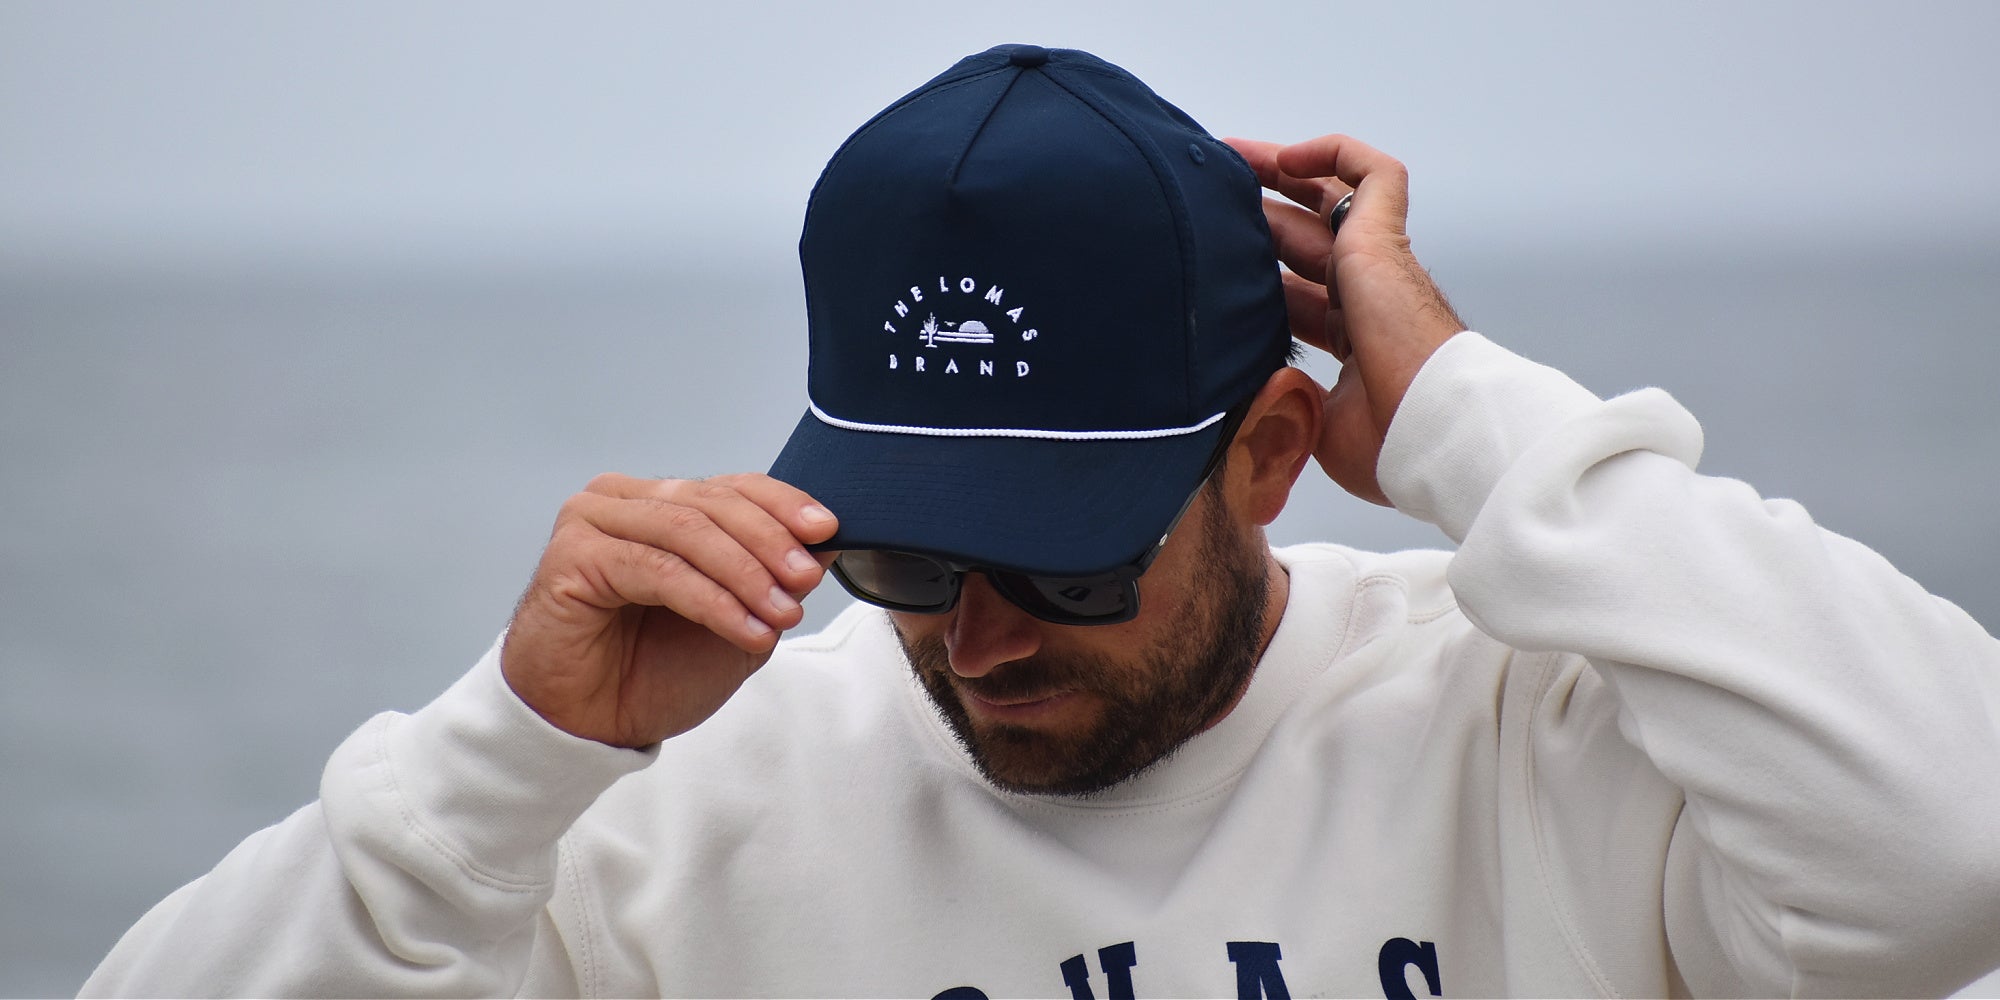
(425,868)
(1835,729)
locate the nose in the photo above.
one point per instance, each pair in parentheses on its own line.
(987,630)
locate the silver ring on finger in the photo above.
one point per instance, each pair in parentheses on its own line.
(1339,213)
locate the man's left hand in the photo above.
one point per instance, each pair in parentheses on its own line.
(1361,296)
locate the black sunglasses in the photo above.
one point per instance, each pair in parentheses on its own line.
(923,584)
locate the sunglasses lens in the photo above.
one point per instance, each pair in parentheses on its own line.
(907,582)
(903,581)
(1072,600)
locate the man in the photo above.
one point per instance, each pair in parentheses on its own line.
(1644,733)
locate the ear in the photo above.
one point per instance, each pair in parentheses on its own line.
(1273,443)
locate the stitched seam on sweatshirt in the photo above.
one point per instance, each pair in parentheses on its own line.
(1373,580)
(1424,617)
(1342,648)
(465,866)
(570,873)
(1427,617)
(1221,786)
(1565,921)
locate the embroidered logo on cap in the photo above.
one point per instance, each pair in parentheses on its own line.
(982,316)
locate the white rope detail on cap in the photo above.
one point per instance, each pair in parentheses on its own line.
(856,425)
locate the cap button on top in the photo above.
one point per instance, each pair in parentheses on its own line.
(1028,56)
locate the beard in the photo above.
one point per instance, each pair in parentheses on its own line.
(1152,703)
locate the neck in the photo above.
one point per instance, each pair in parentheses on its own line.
(1277,590)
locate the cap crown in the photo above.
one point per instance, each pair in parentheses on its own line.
(1035,244)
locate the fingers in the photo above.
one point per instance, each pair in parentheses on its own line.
(727,553)
(1381,184)
(1305,308)
(1317,173)
(1312,304)
(1313,319)
(803,518)
(1343,157)
(1301,241)
(645,575)
(1361,296)
(1317,194)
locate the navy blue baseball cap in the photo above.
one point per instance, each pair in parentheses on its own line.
(1033,288)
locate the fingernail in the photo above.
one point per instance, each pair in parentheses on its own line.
(782,601)
(799,562)
(815,514)
(756,625)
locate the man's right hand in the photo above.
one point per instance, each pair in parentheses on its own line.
(657,598)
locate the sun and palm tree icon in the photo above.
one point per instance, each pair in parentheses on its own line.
(971,331)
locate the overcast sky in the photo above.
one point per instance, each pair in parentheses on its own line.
(462,133)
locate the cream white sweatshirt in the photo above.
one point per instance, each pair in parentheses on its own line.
(1645,733)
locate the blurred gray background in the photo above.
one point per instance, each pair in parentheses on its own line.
(312,314)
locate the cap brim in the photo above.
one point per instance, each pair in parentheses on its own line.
(1034,505)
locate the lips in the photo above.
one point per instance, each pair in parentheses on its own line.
(1008,701)
(1018,709)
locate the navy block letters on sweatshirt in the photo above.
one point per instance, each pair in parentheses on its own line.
(1397,955)
(1258,976)
(1116,960)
